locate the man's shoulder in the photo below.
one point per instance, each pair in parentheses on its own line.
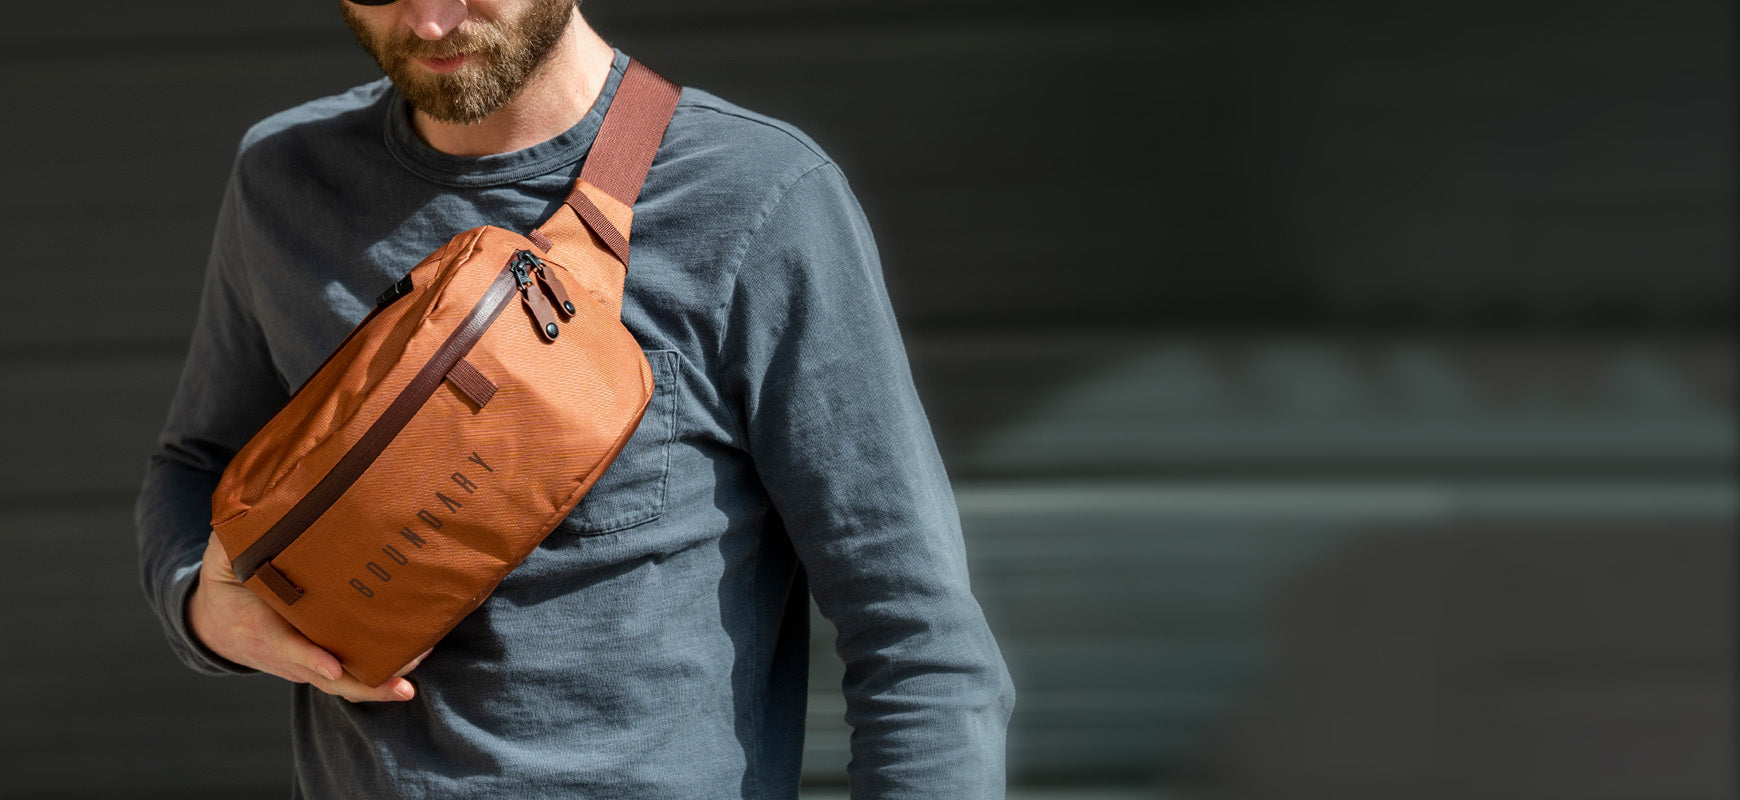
(735,144)
(355,112)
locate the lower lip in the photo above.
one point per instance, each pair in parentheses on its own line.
(444,64)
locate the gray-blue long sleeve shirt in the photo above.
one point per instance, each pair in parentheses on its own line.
(654,645)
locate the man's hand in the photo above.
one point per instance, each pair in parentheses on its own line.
(241,627)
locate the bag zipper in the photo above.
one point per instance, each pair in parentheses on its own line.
(375,440)
(524,266)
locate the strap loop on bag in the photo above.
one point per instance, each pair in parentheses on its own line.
(616,164)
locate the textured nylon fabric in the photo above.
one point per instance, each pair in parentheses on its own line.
(462,494)
(655,645)
(571,239)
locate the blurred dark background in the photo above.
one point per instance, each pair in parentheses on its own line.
(1340,395)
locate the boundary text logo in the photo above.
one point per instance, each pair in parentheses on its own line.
(432,520)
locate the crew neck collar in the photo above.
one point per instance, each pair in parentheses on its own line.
(565,149)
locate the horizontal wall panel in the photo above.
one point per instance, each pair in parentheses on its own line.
(1135,405)
(141,296)
(86,427)
(186,113)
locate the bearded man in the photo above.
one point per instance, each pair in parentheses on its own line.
(654,645)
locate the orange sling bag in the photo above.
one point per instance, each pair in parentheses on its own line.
(457,425)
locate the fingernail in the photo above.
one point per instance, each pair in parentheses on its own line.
(403,691)
(330,674)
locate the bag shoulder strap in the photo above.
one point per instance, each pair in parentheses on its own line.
(601,204)
(633,127)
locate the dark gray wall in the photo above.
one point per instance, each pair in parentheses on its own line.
(1340,394)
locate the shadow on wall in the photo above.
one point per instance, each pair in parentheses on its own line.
(1492,658)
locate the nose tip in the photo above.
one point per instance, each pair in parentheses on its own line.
(434,20)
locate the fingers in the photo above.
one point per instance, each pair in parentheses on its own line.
(238,625)
(318,668)
(322,670)
(349,688)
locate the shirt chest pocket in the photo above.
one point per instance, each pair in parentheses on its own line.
(632,491)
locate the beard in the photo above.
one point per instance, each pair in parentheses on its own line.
(504,55)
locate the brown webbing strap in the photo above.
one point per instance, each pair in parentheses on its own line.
(624,149)
(631,133)
(615,168)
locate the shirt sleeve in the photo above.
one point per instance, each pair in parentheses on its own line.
(842,444)
(228,388)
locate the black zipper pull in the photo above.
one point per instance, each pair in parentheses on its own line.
(517,265)
(394,292)
(536,304)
